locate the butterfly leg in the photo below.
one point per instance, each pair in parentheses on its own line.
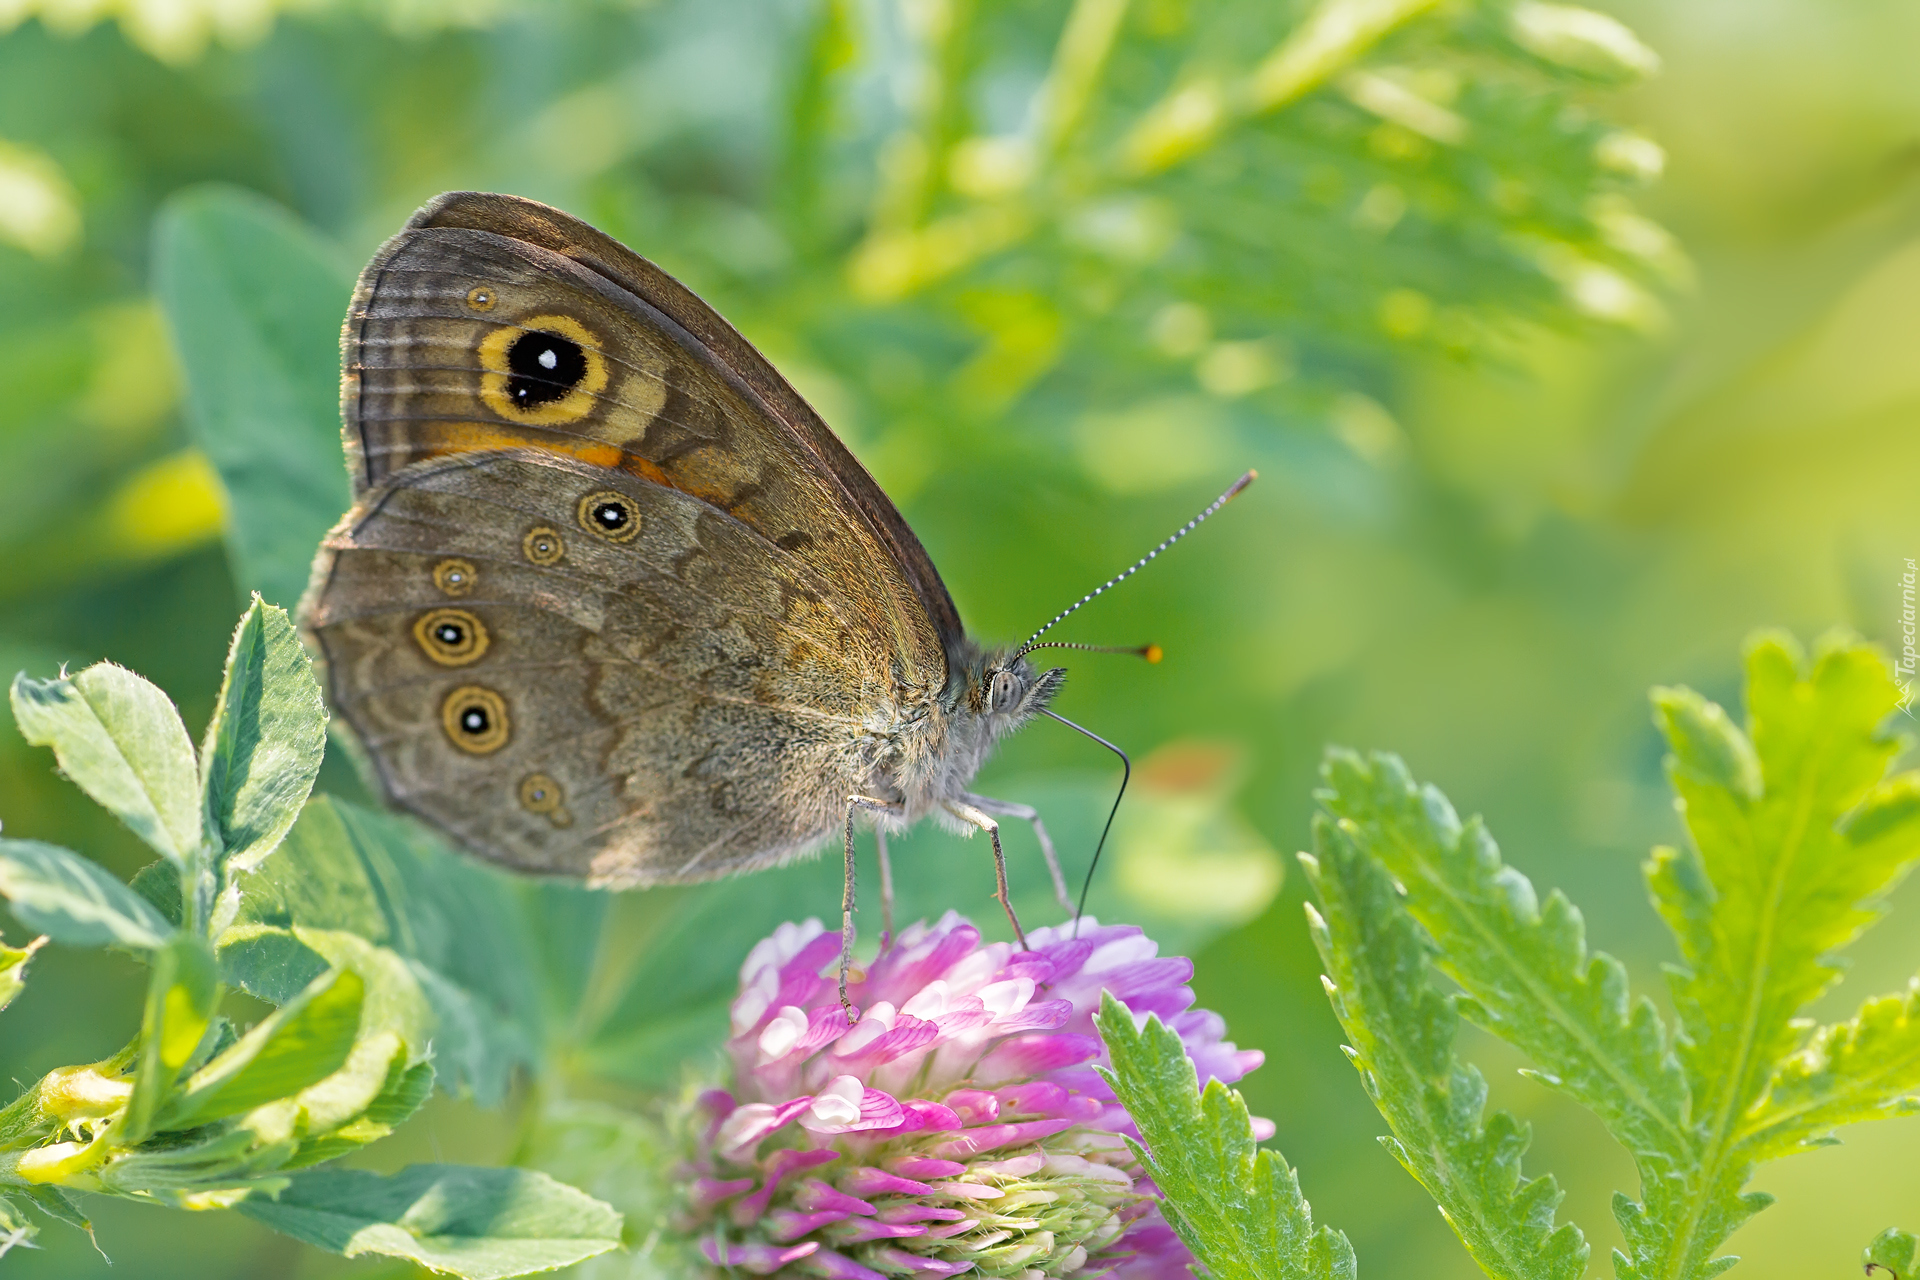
(886,888)
(1028,814)
(967,813)
(854,805)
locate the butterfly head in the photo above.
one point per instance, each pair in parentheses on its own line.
(1011,692)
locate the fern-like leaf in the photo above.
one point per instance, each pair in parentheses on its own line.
(1401,1033)
(1795,832)
(1523,964)
(1237,1207)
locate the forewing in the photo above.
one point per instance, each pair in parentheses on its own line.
(664,390)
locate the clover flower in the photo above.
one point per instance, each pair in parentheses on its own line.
(957,1127)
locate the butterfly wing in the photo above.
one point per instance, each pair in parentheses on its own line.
(612,600)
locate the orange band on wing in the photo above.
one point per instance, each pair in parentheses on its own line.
(468,437)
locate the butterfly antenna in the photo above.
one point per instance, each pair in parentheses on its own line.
(1126,775)
(1147,651)
(1151,652)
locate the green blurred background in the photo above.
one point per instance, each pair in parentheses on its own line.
(1523,452)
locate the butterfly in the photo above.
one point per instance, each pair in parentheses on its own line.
(612,601)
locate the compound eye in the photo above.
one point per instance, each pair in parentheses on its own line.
(1004,692)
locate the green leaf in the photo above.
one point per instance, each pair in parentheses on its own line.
(1789,883)
(120,740)
(300,1044)
(16,1229)
(181,990)
(159,884)
(210,1170)
(1795,831)
(1237,1207)
(13,967)
(484,1224)
(277,964)
(1402,1030)
(264,744)
(627,1159)
(349,1092)
(1524,964)
(458,928)
(1891,1250)
(405,1089)
(255,300)
(1867,1068)
(61,894)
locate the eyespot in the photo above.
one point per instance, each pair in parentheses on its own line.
(543,546)
(614,516)
(544,372)
(454,577)
(540,793)
(451,637)
(475,719)
(482,298)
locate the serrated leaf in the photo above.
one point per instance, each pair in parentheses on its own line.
(264,743)
(181,989)
(1795,832)
(301,1043)
(13,967)
(1402,1032)
(1524,963)
(1237,1207)
(1868,1067)
(1528,978)
(120,740)
(483,1224)
(71,900)
(1788,884)
(254,301)
(1862,1069)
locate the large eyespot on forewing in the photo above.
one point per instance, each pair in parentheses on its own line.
(546,371)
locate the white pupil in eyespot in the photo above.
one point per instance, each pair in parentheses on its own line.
(548,359)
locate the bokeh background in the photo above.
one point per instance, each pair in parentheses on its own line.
(1569,351)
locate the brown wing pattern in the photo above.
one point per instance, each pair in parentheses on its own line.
(657,709)
(539,224)
(672,408)
(611,599)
